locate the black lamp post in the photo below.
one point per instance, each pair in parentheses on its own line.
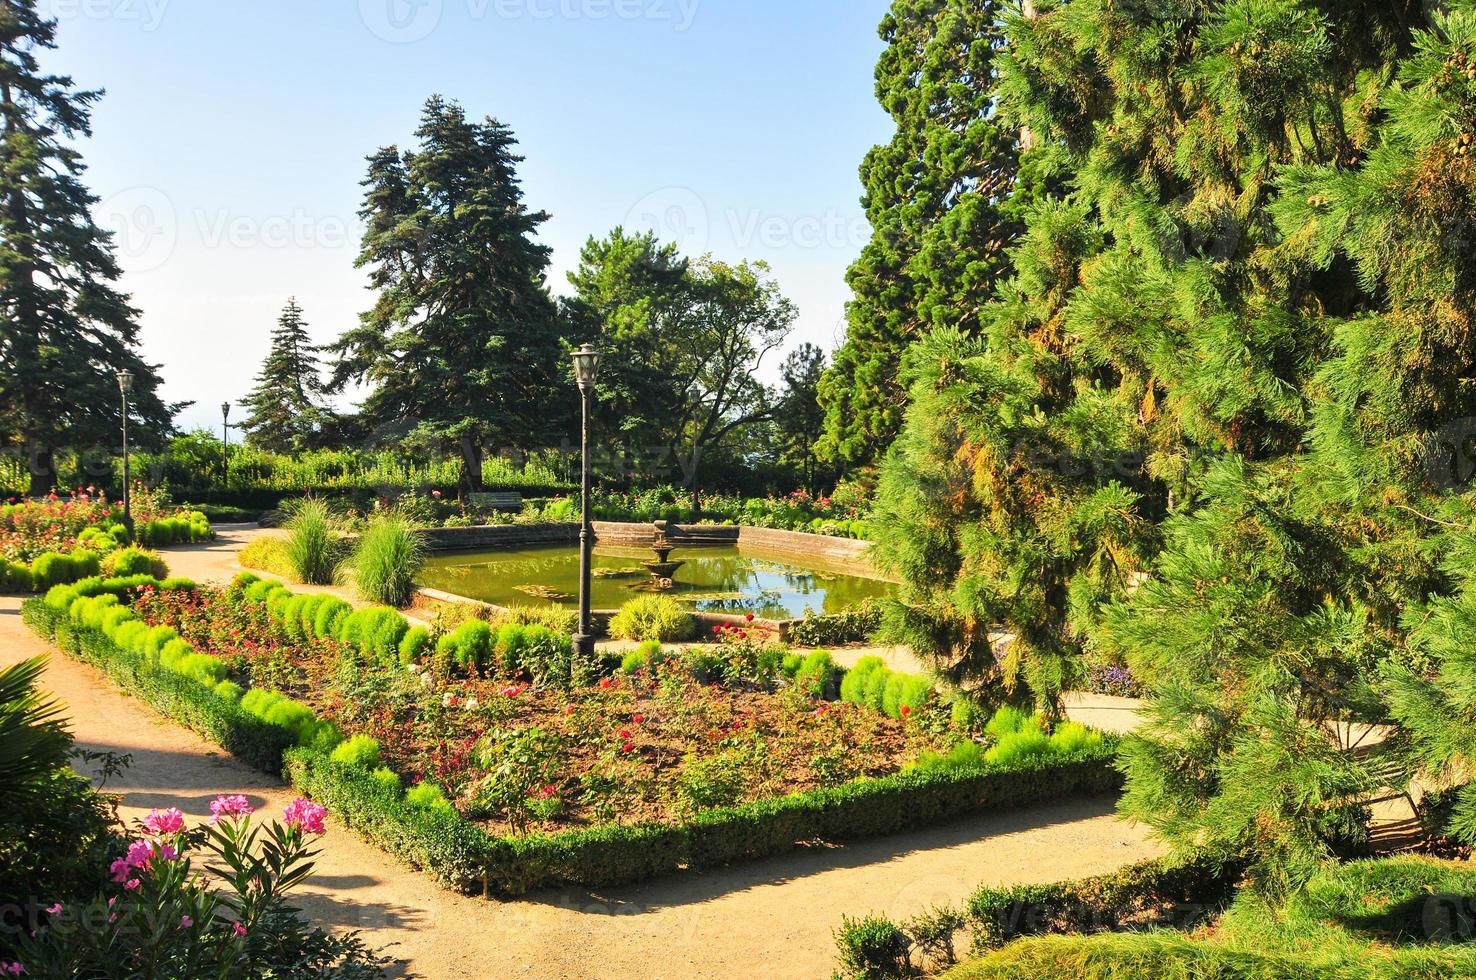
(586,369)
(225,445)
(125,387)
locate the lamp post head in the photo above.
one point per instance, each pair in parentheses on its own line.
(125,381)
(586,366)
(225,411)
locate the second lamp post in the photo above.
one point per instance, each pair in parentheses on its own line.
(586,370)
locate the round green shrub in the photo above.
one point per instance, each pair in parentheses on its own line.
(202,667)
(229,690)
(653,617)
(815,674)
(470,647)
(388,778)
(134,561)
(297,718)
(414,645)
(361,750)
(331,613)
(427,795)
(853,685)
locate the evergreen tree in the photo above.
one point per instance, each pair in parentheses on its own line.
(1258,284)
(464,347)
(285,408)
(66,329)
(933,197)
(799,421)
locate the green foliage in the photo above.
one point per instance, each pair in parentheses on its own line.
(653,617)
(937,198)
(817,675)
(648,656)
(873,948)
(34,739)
(470,349)
(124,562)
(855,625)
(470,647)
(312,546)
(386,561)
(415,645)
(360,750)
(285,411)
(872,684)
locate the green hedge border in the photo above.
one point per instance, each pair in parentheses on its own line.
(461,855)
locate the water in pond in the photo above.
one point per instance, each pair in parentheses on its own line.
(713,580)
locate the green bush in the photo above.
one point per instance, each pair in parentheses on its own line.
(873,948)
(361,750)
(855,625)
(648,656)
(470,647)
(414,645)
(134,561)
(312,546)
(653,617)
(387,560)
(816,675)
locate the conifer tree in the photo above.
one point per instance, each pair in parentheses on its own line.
(464,346)
(66,329)
(933,196)
(285,409)
(1257,282)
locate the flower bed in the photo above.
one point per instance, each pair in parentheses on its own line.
(492,762)
(63,539)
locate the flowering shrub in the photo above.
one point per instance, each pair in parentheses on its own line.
(86,520)
(195,902)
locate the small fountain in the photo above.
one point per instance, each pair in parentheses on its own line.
(663,568)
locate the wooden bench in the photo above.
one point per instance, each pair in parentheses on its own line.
(498,501)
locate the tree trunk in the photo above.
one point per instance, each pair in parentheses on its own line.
(471,467)
(42,462)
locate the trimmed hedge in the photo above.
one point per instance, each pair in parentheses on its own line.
(267,731)
(855,625)
(1163,893)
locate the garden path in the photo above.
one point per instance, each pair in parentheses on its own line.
(773,919)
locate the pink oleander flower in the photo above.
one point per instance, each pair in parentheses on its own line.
(238,929)
(55,909)
(306,816)
(162,822)
(14,969)
(225,807)
(132,884)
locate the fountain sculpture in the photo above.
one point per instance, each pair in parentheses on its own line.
(663,568)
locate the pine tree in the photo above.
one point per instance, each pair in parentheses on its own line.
(66,330)
(799,420)
(464,347)
(933,198)
(285,408)
(1257,283)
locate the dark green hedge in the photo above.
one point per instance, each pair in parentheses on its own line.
(463,856)
(197,707)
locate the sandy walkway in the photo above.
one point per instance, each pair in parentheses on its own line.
(772,919)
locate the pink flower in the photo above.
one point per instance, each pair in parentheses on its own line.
(55,909)
(229,806)
(627,748)
(638,719)
(14,969)
(185,922)
(512,692)
(162,822)
(306,816)
(436,494)
(132,884)
(238,929)
(625,734)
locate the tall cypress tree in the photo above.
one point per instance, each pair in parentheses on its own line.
(66,330)
(933,197)
(286,406)
(464,346)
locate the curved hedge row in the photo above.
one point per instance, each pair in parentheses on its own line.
(91,621)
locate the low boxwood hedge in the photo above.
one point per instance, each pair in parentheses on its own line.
(430,834)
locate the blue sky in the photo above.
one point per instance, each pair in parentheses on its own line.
(229,148)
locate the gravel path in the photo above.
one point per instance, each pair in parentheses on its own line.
(773,919)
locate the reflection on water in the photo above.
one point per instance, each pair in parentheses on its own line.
(712,580)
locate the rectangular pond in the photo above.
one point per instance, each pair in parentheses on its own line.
(711,579)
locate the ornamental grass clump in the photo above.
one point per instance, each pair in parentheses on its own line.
(653,617)
(387,560)
(312,547)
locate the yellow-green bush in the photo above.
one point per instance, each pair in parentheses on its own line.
(653,617)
